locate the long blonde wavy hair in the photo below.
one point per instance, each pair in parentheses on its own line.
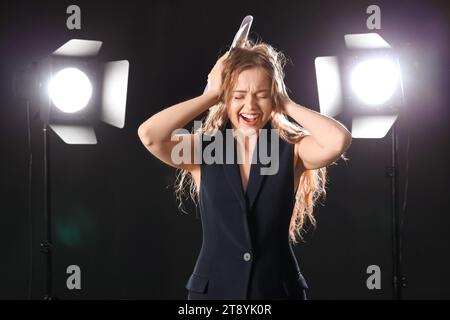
(312,183)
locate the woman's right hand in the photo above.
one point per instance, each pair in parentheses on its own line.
(215,76)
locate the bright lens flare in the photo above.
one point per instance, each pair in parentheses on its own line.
(70,90)
(374,81)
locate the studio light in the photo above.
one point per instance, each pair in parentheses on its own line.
(70,90)
(364,85)
(374,81)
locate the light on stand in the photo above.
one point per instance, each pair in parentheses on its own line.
(365,87)
(71,90)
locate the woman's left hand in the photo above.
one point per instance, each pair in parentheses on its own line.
(285,102)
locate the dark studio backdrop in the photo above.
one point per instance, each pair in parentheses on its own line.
(114,211)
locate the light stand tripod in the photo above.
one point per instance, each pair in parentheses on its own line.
(398,280)
(46,245)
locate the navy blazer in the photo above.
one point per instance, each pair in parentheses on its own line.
(246,251)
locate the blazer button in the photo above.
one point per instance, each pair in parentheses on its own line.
(247,256)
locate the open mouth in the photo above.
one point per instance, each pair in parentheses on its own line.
(249,118)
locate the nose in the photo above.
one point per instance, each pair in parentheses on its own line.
(251,102)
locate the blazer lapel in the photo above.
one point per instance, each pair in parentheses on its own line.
(231,171)
(233,176)
(256,179)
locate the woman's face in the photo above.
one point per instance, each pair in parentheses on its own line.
(250,105)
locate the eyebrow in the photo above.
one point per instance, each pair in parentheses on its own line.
(255,92)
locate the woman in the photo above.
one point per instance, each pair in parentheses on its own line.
(249,220)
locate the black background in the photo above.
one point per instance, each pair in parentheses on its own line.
(114,212)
